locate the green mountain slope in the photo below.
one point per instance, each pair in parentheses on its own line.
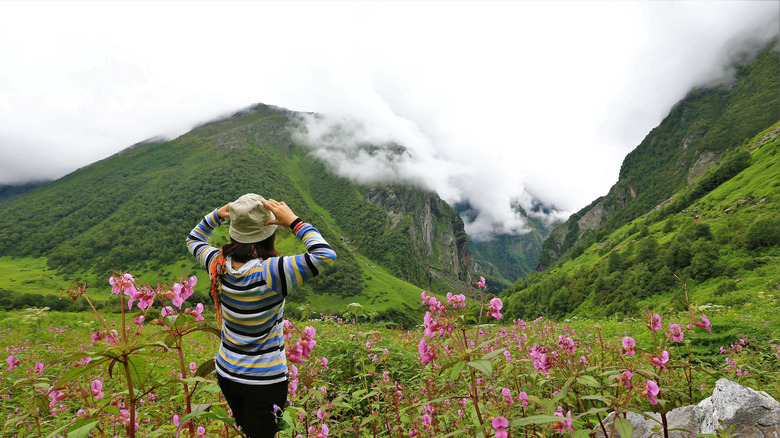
(696,135)
(718,240)
(133,210)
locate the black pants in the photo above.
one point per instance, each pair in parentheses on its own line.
(253,406)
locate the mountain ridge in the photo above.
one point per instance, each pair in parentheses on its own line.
(132,211)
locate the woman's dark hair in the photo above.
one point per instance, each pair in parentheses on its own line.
(244,252)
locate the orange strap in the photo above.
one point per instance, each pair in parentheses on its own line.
(217,270)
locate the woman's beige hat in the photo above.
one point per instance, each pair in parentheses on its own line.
(247,219)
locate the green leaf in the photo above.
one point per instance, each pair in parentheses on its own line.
(209,389)
(493,354)
(213,330)
(588,381)
(624,427)
(564,390)
(600,398)
(139,370)
(535,419)
(82,428)
(456,370)
(56,432)
(76,372)
(547,403)
(483,366)
(206,368)
(165,430)
(202,407)
(582,433)
(41,401)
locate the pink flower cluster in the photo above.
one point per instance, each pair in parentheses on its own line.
(304,346)
(562,426)
(541,360)
(629,346)
(182,291)
(655,323)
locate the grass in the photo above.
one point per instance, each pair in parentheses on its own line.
(29,275)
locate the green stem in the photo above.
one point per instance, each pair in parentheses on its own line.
(187,395)
(474,396)
(130,397)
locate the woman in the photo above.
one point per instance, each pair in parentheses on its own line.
(251,364)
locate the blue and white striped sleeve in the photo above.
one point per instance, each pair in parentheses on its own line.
(198,239)
(285,273)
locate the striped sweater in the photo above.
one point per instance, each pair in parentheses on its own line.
(252,301)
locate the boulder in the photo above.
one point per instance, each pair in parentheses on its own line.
(742,411)
(736,409)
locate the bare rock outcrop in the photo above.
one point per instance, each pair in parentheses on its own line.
(736,409)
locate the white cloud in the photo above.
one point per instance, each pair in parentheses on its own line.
(496,101)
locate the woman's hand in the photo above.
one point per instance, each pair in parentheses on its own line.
(224,211)
(284,216)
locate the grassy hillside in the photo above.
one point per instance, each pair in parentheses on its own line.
(718,240)
(132,211)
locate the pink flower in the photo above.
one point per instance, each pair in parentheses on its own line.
(97,389)
(124,283)
(625,378)
(507,396)
(167,310)
(562,426)
(426,419)
(201,432)
(325,431)
(481,284)
(675,332)
(432,302)
(112,337)
(456,300)
(523,397)
(294,354)
(96,337)
(197,312)
(145,298)
(55,396)
(38,367)
(324,363)
(661,361)
(426,352)
(651,390)
(655,323)
(495,306)
(541,361)
(193,367)
(567,343)
(705,323)
(12,363)
(629,346)
(431,325)
(499,425)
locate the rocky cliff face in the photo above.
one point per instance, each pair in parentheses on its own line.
(435,230)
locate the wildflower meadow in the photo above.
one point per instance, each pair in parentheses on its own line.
(146,369)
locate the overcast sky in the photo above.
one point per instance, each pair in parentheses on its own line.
(497,102)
